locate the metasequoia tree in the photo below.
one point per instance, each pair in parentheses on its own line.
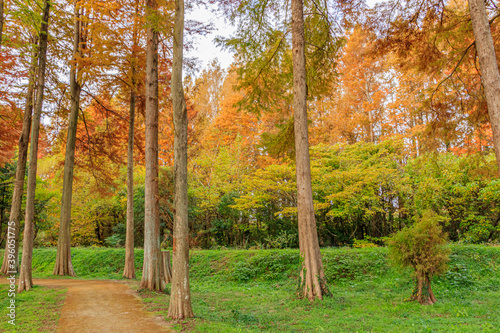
(490,76)
(266,62)
(25,278)
(313,284)
(434,40)
(129,270)
(17,195)
(152,273)
(63,258)
(1,22)
(180,298)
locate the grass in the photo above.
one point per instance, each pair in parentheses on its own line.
(255,291)
(36,310)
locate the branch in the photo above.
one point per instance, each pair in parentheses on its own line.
(453,71)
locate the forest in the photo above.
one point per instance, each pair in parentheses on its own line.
(339,123)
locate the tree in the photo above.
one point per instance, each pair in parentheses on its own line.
(25,278)
(63,258)
(152,273)
(490,76)
(15,210)
(422,247)
(180,299)
(1,22)
(129,271)
(313,283)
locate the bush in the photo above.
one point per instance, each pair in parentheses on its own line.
(422,247)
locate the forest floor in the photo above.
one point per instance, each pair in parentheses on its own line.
(99,306)
(255,291)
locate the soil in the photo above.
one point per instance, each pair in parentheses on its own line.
(102,306)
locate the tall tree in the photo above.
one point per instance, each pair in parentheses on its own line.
(11,263)
(129,271)
(63,258)
(1,22)
(25,278)
(313,284)
(152,273)
(180,300)
(490,76)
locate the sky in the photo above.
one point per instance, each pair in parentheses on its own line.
(205,47)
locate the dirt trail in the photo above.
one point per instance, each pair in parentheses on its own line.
(102,307)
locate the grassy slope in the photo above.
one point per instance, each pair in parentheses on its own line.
(254,291)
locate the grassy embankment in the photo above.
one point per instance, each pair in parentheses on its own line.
(254,291)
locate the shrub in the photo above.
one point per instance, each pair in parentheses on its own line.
(422,247)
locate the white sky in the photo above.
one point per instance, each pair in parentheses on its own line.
(205,48)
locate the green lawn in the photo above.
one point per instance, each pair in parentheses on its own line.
(36,310)
(255,291)
(367,294)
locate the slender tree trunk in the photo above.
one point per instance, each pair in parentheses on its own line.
(180,299)
(63,258)
(11,260)
(129,271)
(1,22)
(313,283)
(490,76)
(152,273)
(25,278)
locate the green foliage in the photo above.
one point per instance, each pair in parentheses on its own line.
(421,247)
(283,241)
(263,44)
(362,193)
(118,237)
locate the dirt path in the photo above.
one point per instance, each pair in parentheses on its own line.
(102,307)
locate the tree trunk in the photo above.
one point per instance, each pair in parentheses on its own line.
(167,269)
(129,271)
(11,259)
(312,275)
(423,291)
(63,258)
(490,76)
(1,22)
(25,278)
(180,298)
(152,273)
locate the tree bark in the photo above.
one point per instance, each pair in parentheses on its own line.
(312,275)
(167,269)
(1,22)
(63,258)
(180,298)
(129,271)
(490,76)
(25,277)
(152,273)
(11,260)
(423,291)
